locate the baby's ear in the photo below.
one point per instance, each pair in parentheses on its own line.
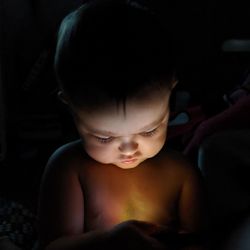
(61,95)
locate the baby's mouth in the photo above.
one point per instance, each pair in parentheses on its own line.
(128,160)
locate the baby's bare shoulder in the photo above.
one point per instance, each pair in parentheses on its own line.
(67,157)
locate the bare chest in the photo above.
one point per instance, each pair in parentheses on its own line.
(122,197)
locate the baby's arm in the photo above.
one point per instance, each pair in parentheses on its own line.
(186,183)
(61,203)
(192,207)
(131,234)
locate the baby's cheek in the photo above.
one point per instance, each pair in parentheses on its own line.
(157,143)
(100,153)
(163,136)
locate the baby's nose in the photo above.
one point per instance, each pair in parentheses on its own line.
(128,147)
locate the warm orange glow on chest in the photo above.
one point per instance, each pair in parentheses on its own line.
(137,208)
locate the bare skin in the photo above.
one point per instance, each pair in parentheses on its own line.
(118,187)
(163,191)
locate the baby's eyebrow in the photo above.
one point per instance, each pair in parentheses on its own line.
(155,123)
(145,128)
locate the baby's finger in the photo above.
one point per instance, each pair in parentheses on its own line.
(161,229)
(147,228)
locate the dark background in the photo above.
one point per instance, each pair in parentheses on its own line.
(36,123)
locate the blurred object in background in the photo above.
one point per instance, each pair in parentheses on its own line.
(3,147)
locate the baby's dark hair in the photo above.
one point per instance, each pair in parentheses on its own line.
(109,50)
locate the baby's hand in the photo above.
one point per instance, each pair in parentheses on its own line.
(133,234)
(175,240)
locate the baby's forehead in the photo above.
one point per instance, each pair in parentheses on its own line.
(144,109)
(143,98)
(135,119)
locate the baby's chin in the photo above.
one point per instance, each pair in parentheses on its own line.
(123,165)
(129,164)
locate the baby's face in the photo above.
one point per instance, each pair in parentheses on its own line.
(125,139)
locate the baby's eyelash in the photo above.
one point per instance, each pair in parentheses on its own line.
(109,139)
(103,140)
(150,133)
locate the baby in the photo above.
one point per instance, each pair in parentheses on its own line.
(118,186)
